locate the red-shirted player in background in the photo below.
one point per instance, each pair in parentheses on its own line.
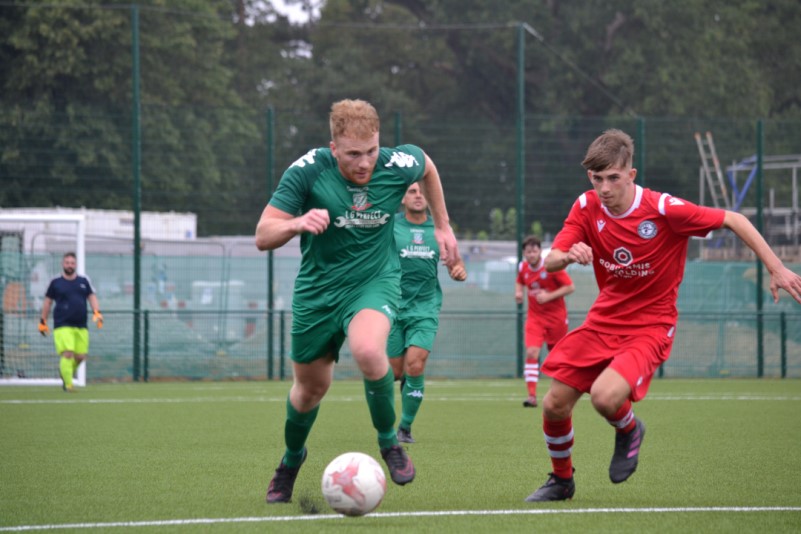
(636,241)
(546,321)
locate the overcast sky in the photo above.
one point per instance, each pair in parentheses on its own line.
(295,12)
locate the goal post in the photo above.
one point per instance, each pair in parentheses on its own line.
(35,363)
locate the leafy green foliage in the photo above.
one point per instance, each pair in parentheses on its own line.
(210,69)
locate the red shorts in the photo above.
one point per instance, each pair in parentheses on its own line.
(538,332)
(585,353)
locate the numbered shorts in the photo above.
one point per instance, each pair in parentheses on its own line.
(71,339)
(318,332)
(408,331)
(539,332)
(584,354)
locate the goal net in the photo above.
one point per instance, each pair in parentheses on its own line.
(31,248)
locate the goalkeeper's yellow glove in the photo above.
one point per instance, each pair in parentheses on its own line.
(43,328)
(97,318)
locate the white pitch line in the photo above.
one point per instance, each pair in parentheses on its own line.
(379,515)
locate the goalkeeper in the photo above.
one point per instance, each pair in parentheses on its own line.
(70,292)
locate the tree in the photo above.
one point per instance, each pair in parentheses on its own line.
(66,109)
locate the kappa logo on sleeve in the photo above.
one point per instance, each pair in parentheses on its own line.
(306,159)
(401,159)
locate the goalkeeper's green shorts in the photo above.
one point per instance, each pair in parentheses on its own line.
(71,339)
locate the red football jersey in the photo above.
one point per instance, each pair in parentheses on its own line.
(638,257)
(536,279)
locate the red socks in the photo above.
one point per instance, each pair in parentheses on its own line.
(531,372)
(623,420)
(559,439)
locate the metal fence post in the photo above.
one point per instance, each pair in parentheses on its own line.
(783,341)
(2,344)
(136,164)
(146,352)
(521,176)
(282,350)
(760,142)
(270,172)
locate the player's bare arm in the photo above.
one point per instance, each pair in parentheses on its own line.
(558,259)
(547,296)
(277,227)
(518,293)
(780,276)
(443,233)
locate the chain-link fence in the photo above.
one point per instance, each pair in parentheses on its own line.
(187,295)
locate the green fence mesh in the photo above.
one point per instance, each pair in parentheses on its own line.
(206,318)
(186,149)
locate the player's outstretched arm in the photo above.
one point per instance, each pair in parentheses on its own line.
(276,227)
(780,276)
(443,233)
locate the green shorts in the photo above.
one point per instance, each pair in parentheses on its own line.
(317,332)
(417,331)
(71,339)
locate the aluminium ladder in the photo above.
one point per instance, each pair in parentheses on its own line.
(709,160)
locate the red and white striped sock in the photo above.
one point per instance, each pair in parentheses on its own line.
(559,439)
(531,373)
(623,420)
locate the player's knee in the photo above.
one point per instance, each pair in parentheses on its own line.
(415,368)
(307,396)
(604,401)
(367,349)
(555,409)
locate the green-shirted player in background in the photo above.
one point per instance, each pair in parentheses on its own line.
(413,332)
(341,201)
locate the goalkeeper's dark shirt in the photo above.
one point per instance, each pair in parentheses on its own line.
(69,300)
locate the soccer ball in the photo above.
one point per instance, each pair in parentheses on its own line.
(354,484)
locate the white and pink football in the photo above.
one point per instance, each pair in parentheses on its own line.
(354,484)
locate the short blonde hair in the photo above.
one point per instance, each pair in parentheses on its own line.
(353,117)
(612,148)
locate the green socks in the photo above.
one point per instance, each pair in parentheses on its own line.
(380,396)
(411,399)
(66,366)
(381,402)
(296,430)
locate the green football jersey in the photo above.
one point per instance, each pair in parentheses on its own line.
(421,294)
(358,244)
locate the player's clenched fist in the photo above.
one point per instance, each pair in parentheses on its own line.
(580,253)
(458,272)
(314,221)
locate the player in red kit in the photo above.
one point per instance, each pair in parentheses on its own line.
(636,241)
(546,321)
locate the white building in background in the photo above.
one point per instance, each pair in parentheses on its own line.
(119,224)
